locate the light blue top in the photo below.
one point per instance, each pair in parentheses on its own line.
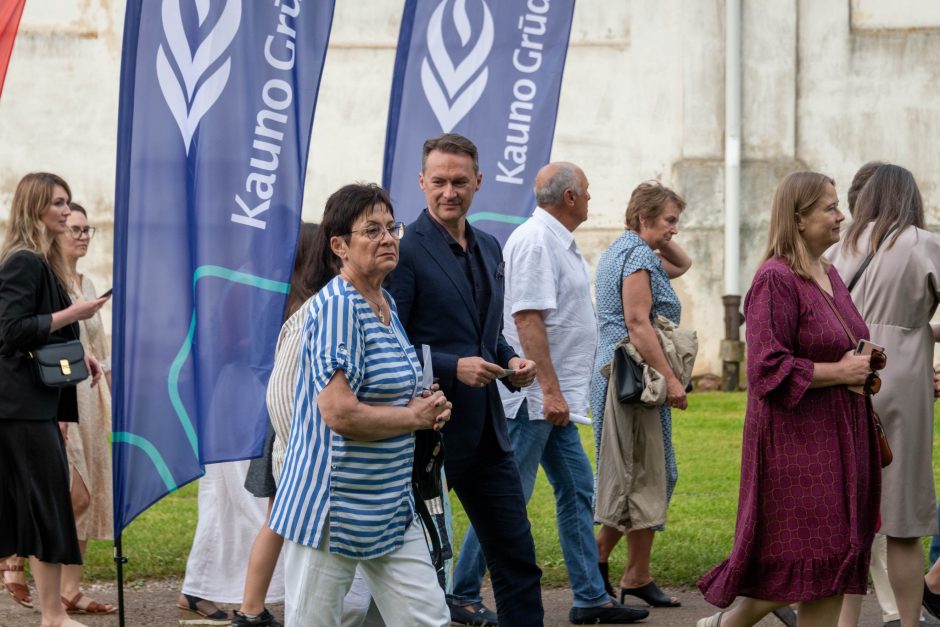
(361,489)
(612,328)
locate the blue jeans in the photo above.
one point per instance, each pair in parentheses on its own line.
(566,465)
(935,543)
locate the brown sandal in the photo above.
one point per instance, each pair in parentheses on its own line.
(19,591)
(93,607)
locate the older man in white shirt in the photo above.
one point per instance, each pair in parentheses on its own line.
(549,318)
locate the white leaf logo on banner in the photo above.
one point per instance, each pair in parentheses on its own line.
(201,90)
(464,82)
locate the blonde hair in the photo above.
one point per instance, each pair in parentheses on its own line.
(26,230)
(796,195)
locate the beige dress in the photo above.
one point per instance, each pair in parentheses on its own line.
(897,296)
(88,447)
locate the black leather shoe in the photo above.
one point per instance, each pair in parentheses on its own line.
(472,614)
(264,619)
(615,614)
(931,602)
(786,615)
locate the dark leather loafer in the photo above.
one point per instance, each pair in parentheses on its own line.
(473,614)
(931,602)
(615,614)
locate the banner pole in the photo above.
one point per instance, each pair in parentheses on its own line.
(120,560)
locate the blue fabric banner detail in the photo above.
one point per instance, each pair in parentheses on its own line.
(216,109)
(490,70)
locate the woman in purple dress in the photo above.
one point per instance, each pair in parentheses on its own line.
(810,465)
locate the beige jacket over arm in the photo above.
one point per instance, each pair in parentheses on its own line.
(631,467)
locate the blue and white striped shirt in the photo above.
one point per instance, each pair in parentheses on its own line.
(361,489)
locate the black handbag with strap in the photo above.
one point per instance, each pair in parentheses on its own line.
(429,497)
(629,374)
(629,377)
(60,365)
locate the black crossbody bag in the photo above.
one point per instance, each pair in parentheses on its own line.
(60,365)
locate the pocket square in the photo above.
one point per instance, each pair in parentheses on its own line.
(500,270)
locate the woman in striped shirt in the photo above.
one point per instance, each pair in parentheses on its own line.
(344,496)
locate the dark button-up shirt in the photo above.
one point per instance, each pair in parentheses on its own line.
(470,261)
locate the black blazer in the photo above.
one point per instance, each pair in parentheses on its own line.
(436,307)
(29,295)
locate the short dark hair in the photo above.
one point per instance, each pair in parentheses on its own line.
(74,206)
(304,268)
(343,208)
(453,144)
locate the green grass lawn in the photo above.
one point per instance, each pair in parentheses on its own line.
(699,531)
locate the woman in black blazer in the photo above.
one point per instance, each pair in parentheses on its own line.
(35,508)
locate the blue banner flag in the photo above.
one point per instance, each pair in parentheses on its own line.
(489,70)
(216,108)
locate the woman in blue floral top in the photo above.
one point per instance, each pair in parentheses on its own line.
(632,287)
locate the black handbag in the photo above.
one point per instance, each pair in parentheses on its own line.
(60,365)
(629,374)
(429,494)
(629,381)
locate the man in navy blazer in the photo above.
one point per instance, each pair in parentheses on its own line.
(448,288)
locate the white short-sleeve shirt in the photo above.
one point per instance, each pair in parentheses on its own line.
(546,272)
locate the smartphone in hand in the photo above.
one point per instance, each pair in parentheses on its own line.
(106,294)
(866,347)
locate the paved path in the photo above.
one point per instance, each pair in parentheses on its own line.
(153,603)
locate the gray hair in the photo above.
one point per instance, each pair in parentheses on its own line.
(553,191)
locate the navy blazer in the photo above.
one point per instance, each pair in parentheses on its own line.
(29,295)
(436,307)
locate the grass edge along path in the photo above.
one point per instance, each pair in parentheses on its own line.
(698,534)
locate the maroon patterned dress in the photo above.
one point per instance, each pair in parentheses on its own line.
(810,466)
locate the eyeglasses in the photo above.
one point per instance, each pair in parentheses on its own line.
(376,231)
(872,384)
(878,360)
(77,231)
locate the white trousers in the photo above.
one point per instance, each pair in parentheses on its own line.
(359,609)
(229,520)
(403,584)
(879,579)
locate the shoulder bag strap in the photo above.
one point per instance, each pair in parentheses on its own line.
(623,267)
(835,310)
(864,266)
(861,270)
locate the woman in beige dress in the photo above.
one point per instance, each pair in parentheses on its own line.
(87,446)
(897,294)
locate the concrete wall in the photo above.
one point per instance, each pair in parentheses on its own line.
(828,85)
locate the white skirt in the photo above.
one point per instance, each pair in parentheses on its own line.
(229,520)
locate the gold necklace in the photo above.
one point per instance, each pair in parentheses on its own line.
(378,305)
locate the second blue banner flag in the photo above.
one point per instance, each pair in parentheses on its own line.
(490,70)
